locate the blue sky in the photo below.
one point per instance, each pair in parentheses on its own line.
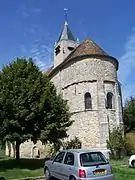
(29,28)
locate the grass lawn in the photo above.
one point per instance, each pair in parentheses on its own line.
(11,169)
(122,170)
(17,173)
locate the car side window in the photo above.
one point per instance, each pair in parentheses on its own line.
(59,157)
(69,159)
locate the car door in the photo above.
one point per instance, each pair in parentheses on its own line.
(56,165)
(67,167)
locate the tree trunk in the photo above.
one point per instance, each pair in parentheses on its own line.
(17,150)
(8,144)
(14,149)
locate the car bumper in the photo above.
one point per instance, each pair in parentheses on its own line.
(109,177)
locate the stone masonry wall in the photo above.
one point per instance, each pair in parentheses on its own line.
(64,51)
(29,150)
(88,69)
(97,76)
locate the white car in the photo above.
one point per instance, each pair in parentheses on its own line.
(78,164)
(131,161)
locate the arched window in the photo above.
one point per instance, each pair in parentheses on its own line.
(57,50)
(109,100)
(87,99)
(35,152)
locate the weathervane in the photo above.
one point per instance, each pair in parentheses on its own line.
(66,11)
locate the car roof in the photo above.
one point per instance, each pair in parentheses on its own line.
(80,151)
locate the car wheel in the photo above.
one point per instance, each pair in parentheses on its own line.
(133,163)
(72,178)
(47,174)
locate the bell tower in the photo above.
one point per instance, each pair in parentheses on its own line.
(65,45)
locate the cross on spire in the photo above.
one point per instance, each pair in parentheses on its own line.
(66,19)
(66,33)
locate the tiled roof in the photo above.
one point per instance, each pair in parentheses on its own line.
(48,70)
(88,47)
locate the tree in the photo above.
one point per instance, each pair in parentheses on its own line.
(116,143)
(29,106)
(74,143)
(129,115)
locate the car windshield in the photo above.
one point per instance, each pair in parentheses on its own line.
(92,158)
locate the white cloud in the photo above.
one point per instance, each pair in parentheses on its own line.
(23,49)
(40,63)
(32,30)
(24,14)
(36,10)
(42,55)
(26,10)
(127,66)
(40,48)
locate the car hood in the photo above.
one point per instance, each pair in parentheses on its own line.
(49,161)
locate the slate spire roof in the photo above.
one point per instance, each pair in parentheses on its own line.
(66,33)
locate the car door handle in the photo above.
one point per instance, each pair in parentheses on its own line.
(70,169)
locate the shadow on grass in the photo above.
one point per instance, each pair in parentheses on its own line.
(21,164)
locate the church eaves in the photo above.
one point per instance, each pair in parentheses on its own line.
(86,48)
(66,33)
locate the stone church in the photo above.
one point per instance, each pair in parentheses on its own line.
(86,76)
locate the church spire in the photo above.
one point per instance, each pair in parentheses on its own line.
(66,33)
(65,44)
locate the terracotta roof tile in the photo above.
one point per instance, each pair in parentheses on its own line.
(48,70)
(88,47)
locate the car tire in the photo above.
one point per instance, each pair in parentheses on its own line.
(47,174)
(133,163)
(72,178)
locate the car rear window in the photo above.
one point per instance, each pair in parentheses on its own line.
(92,158)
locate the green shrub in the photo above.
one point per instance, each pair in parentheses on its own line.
(130,143)
(116,143)
(72,144)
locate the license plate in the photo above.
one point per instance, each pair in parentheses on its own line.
(99,172)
